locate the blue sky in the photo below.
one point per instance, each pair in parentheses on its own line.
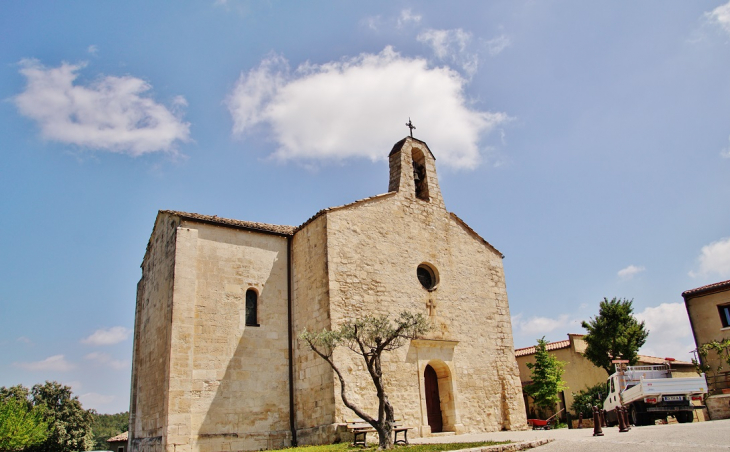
(587,141)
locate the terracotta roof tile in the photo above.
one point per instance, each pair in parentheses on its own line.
(551,346)
(263,227)
(121,437)
(644,359)
(707,289)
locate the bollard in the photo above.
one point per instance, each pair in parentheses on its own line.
(580,420)
(623,427)
(596,422)
(603,419)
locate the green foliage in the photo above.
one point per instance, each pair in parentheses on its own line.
(721,348)
(369,337)
(68,424)
(547,373)
(586,398)
(106,426)
(21,425)
(614,334)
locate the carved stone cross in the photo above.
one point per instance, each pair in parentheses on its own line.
(431,306)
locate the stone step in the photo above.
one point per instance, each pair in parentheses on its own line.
(444,434)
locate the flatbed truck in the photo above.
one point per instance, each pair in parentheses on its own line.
(650,393)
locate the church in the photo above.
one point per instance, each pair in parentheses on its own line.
(217,361)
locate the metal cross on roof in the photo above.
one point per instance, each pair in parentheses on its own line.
(410,125)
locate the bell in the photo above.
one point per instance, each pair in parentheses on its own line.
(416,177)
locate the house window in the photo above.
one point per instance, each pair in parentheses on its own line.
(252,301)
(120,449)
(724,315)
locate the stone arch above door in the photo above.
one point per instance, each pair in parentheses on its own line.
(437,354)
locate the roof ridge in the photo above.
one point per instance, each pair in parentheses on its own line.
(264,227)
(706,288)
(331,209)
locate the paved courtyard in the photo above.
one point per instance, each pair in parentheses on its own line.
(710,436)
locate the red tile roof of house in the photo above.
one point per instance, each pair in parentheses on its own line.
(120,437)
(551,346)
(706,289)
(643,359)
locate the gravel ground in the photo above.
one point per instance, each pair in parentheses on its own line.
(705,436)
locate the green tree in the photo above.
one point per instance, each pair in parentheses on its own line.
(106,426)
(614,334)
(69,425)
(547,373)
(369,337)
(586,398)
(21,425)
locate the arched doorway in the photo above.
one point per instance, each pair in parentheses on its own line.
(433,400)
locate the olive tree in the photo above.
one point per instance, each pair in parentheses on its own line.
(369,337)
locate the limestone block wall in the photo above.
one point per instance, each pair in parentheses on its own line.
(229,381)
(313,379)
(718,406)
(150,368)
(374,250)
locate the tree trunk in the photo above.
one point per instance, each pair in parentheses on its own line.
(385,435)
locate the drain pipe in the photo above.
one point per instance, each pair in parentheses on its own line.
(292,420)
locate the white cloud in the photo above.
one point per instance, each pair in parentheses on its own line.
(630,271)
(452,46)
(720,16)
(54,363)
(109,336)
(357,107)
(714,259)
(725,153)
(538,326)
(407,16)
(93,400)
(24,340)
(106,360)
(670,334)
(93,50)
(111,114)
(496,45)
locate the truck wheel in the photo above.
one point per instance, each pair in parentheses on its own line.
(635,417)
(684,417)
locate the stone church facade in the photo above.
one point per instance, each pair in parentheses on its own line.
(217,363)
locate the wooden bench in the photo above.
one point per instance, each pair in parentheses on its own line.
(360,430)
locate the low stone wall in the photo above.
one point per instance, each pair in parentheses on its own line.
(718,406)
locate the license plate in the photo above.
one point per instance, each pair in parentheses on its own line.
(673,398)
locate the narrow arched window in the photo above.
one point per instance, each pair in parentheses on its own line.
(252,301)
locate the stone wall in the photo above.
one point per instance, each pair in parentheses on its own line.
(313,379)
(232,377)
(374,248)
(150,368)
(225,383)
(718,406)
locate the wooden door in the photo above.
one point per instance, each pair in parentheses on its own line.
(433,401)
